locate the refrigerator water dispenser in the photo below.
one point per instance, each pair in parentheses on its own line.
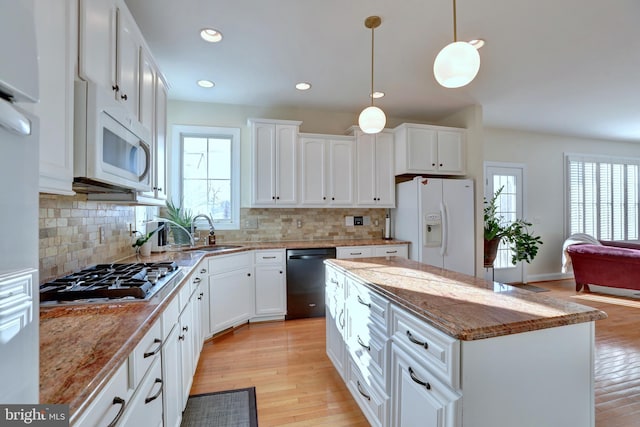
(433,229)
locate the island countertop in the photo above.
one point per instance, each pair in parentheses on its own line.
(464,307)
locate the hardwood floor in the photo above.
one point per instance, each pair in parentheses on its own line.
(296,384)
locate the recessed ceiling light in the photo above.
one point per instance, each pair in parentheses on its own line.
(303,86)
(377,94)
(206,83)
(211,35)
(477,43)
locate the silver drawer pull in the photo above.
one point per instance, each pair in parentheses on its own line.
(415,341)
(154,352)
(202,271)
(197,280)
(269,257)
(334,281)
(391,252)
(155,396)
(363,303)
(118,401)
(341,316)
(418,380)
(366,396)
(355,253)
(363,345)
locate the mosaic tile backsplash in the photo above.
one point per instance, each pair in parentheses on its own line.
(69,230)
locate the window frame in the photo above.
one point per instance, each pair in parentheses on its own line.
(610,161)
(177,179)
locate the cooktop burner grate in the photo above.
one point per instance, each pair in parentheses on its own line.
(110,281)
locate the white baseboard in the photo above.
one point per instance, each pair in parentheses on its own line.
(548,276)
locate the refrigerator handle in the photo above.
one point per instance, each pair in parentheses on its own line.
(445,227)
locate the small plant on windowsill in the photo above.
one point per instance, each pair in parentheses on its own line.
(144,238)
(516,234)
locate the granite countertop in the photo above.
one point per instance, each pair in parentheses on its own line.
(464,307)
(82,345)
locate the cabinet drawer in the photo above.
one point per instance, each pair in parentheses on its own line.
(354,252)
(369,351)
(111,401)
(146,352)
(374,404)
(222,263)
(399,250)
(436,350)
(146,404)
(365,306)
(269,257)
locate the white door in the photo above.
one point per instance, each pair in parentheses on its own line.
(509,177)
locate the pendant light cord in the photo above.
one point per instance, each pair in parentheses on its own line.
(371,93)
(455,29)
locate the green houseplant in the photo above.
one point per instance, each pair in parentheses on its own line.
(179,216)
(523,243)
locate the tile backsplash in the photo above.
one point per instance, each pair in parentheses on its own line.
(70,227)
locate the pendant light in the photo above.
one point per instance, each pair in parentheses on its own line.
(458,63)
(372,119)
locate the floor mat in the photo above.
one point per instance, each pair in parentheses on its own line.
(530,288)
(231,408)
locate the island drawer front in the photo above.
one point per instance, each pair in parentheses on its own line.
(170,316)
(365,304)
(354,252)
(369,352)
(224,263)
(439,352)
(146,352)
(270,257)
(374,403)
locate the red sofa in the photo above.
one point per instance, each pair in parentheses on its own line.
(613,264)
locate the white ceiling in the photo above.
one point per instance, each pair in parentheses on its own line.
(557,66)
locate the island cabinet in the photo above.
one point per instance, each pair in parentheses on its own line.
(274,158)
(421,349)
(431,150)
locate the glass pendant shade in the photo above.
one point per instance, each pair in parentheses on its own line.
(456,65)
(372,120)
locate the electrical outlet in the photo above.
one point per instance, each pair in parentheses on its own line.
(348,221)
(251,223)
(101,235)
(299,223)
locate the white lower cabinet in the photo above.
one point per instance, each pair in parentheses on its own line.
(186,337)
(146,405)
(372,251)
(372,400)
(335,319)
(270,285)
(418,397)
(172,373)
(231,290)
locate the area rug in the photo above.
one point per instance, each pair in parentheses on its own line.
(530,288)
(231,408)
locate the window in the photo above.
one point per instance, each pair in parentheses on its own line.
(209,165)
(603,197)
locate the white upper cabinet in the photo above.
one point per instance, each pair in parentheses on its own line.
(326,170)
(160,140)
(56,33)
(375,180)
(429,149)
(109,45)
(274,160)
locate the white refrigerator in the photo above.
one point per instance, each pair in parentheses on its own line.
(19,148)
(437,216)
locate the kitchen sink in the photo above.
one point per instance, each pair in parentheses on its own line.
(215,248)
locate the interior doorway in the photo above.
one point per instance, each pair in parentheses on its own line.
(509,177)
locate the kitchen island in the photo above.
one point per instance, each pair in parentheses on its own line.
(419,345)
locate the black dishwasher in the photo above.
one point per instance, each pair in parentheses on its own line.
(305,281)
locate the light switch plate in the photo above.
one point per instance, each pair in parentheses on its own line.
(348,221)
(251,223)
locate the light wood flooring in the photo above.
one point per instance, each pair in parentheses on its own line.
(296,384)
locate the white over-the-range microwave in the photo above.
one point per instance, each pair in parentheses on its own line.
(111,148)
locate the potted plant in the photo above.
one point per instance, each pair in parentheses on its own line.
(523,243)
(181,220)
(142,240)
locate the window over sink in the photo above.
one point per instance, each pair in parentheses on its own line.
(207,160)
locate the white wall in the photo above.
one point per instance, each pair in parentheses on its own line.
(543,156)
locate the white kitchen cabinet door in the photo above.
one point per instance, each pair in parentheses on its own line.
(128,61)
(271,290)
(374,163)
(313,171)
(451,152)
(340,178)
(160,141)
(56,33)
(232,298)
(145,409)
(274,160)
(186,337)
(418,397)
(172,376)
(97,42)
(147,109)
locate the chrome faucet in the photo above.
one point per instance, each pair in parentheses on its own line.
(212,229)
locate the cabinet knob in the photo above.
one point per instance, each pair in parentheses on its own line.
(181,337)
(280,271)
(333,198)
(249,274)
(324,198)
(159,188)
(115,87)
(185,328)
(433,164)
(277,197)
(124,97)
(273,197)
(440,164)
